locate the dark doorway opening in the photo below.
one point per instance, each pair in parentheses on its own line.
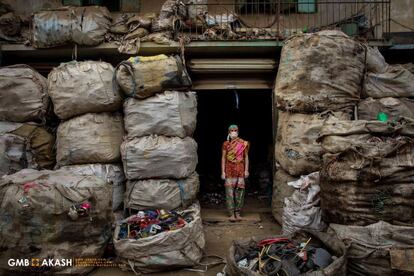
(251,110)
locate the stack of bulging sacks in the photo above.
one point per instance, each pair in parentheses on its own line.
(24,106)
(159,157)
(91,131)
(319,79)
(367,188)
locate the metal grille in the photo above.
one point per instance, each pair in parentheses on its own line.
(278,19)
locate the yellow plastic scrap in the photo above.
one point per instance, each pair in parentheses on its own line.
(139,59)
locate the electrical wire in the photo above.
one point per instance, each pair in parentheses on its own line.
(402,25)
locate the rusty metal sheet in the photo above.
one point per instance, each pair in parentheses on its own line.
(402,259)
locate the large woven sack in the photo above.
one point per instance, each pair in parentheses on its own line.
(165,194)
(110,173)
(367,173)
(366,202)
(23,94)
(77,88)
(319,71)
(170,113)
(281,190)
(165,251)
(370,109)
(296,149)
(80,25)
(25,146)
(395,82)
(90,138)
(35,222)
(159,157)
(378,249)
(142,77)
(330,242)
(368,151)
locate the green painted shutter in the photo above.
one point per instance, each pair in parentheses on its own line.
(306,6)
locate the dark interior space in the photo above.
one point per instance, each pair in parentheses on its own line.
(252,112)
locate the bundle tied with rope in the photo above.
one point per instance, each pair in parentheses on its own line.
(142,77)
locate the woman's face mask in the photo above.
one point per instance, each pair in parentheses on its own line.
(234,134)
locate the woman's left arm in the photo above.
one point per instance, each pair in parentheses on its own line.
(246,162)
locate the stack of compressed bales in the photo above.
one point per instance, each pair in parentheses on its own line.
(24,105)
(159,157)
(319,78)
(91,131)
(53,215)
(367,187)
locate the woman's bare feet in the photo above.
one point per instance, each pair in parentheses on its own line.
(232,218)
(238,217)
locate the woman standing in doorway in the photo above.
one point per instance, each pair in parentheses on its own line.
(234,169)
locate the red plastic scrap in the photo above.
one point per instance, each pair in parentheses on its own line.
(27,186)
(272,241)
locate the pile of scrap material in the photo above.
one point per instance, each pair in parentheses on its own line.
(164,241)
(151,222)
(305,253)
(350,119)
(79,107)
(367,186)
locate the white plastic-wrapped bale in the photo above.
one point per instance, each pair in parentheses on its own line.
(165,251)
(395,82)
(159,157)
(368,172)
(170,113)
(165,194)
(319,71)
(281,190)
(25,146)
(110,173)
(53,214)
(81,25)
(142,77)
(90,138)
(394,108)
(23,94)
(377,249)
(296,149)
(77,88)
(375,61)
(302,209)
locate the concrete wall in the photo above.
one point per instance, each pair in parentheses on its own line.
(25,8)
(403,12)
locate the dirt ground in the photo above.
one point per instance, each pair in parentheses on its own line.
(219,234)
